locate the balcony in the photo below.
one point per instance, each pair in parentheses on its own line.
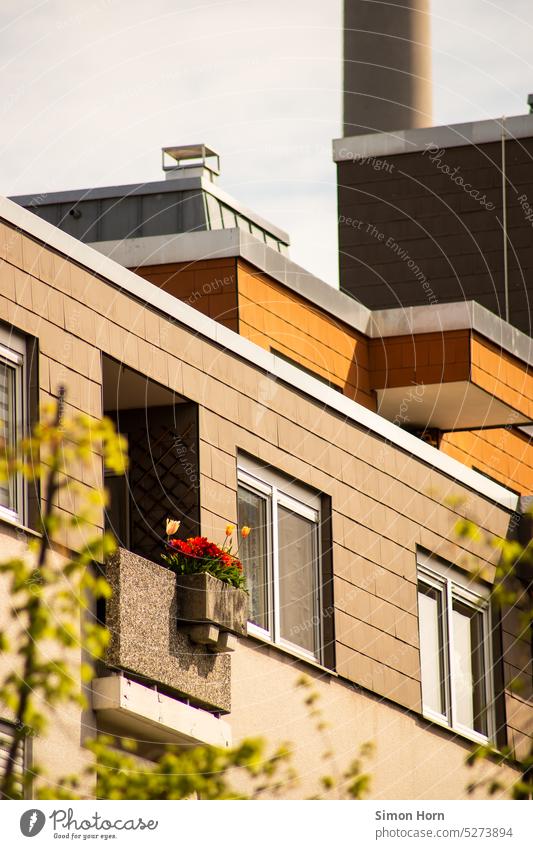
(124,706)
(149,643)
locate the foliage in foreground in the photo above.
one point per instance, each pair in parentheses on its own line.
(50,596)
(512,586)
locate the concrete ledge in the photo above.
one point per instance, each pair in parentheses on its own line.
(452,135)
(142,618)
(429,318)
(148,715)
(461,315)
(214,244)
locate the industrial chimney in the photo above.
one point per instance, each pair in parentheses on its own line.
(387,66)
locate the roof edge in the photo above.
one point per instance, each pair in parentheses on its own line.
(354,148)
(398,321)
(185,184)
(175,309)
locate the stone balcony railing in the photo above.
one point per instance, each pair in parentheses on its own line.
(147,641)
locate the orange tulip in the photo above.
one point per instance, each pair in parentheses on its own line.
(245,531)
(229,530)
(172,527)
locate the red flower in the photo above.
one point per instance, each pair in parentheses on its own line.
(181,546)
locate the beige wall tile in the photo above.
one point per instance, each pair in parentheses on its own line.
(80,320)
(406,628)
(151,327)
(353,600)
(55,270)
(13,246)
(23,289)
(354,666)
(30,256)
(7,278)
(23,319)
(218,499)
(56,312)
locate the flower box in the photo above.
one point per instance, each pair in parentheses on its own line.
(146,641)
(203,599)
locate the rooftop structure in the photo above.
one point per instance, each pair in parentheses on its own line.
(187,201)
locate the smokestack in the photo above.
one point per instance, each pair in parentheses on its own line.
(387,65)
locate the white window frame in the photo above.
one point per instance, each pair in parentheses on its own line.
(279,492)
(23,756)
(454,585)
(13,353)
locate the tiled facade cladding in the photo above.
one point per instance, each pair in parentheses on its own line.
(454,236)
(265,312)
(384,501)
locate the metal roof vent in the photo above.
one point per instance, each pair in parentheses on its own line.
(190,160)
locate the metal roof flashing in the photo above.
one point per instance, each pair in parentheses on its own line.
(175,310)
(355,148)
(429,318)
(185,184)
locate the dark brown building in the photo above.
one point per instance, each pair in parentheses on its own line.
(439,215)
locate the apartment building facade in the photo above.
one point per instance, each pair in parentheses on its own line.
(437,364)
(259,388)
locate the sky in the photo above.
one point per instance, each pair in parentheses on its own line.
(90,90)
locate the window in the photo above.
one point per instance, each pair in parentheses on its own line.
(21,759)
(12,415)
(455,655)
(282,559)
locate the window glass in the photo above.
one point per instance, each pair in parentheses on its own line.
(297,584)
(254,554)
(454,627)
(431,660)
(281,558)
(7,731)
(468,669)
(7,427)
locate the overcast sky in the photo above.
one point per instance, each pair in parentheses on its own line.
(90,90)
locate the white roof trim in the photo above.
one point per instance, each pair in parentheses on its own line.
(410,141)
(399,321)
(170,306)
(211,244)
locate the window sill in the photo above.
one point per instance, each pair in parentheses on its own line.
(463,733)
(13,523)
(292,654)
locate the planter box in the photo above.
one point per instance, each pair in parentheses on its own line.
(204,600)
(145,640)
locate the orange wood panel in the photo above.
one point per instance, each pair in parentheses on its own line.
(422,358)
(280,319)
(503,453)
(210,286)
(503,375)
